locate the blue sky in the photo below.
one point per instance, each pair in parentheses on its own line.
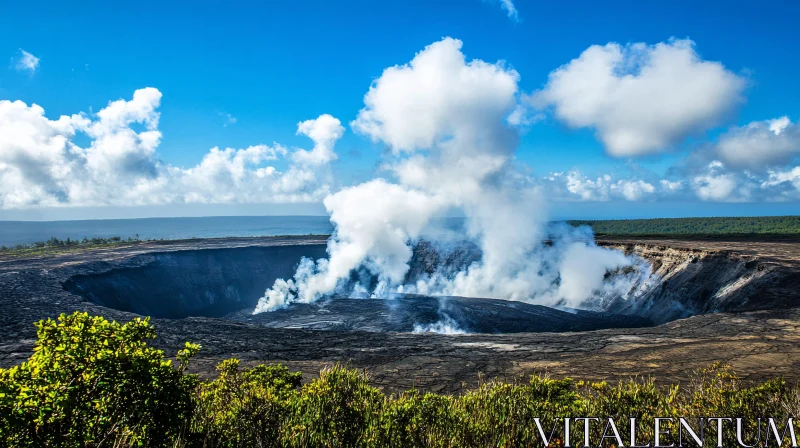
(271,65)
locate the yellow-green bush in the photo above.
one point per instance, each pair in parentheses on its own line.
(413,419)
(91,382)
(95,383)
(243,407)
(334,410)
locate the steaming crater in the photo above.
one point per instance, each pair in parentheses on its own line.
(227,283)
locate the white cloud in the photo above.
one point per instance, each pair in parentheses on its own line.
(641,99)
(634,190)
(228,119)
(577,186)
(420,104)
(784,185)
(41,165)
(510,9)
(760,144)
(324,131)
(116,149)
(587,189)
(670,187)
(715,184)
(27,61)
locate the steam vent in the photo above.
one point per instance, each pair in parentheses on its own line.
(694,303)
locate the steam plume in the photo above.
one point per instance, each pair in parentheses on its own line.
(445,120)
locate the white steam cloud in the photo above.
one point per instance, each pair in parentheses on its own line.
(445,120)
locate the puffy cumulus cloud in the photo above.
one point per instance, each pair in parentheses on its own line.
(41,165)
(576,186)
(587,189)
(26,62)
(118,150)
(635,190)
(712,182)
(671,187)
(719,183)
(324,131)
(715,184)
(760,144)
(37,157)
(237,175)
(783,184)
(641,99)
(420,104)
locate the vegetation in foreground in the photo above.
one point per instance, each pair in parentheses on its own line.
(760,225)
(93,383)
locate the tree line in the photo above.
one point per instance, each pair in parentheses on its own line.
(771,225)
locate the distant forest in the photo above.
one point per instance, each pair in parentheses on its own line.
(773,225)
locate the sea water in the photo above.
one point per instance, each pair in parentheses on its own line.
(26,232)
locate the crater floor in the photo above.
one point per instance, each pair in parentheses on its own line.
(750,320)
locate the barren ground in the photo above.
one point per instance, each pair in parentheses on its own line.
(759,343)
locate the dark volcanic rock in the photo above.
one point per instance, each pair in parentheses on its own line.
(760,340)
(407,312)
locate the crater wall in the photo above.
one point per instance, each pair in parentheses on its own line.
(209,282)
(221,282)
(688,282)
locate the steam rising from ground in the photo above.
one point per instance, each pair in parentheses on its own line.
(446,122)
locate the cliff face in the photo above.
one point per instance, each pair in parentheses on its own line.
(687,282)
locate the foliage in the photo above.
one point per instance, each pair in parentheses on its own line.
(770,225)
(243,407)
(91,382)
(335,410)
(413,419)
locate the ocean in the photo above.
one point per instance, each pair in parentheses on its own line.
(26,232)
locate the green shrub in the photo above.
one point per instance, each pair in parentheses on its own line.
(93,382)
(244,407)
(717,391)
(413,420)
(335,410)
